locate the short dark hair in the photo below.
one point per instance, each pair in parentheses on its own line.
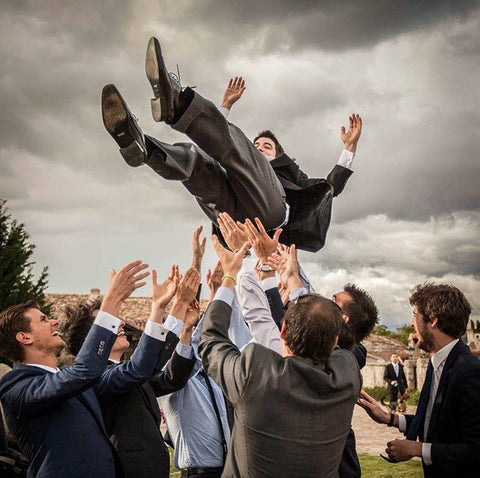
(362,312)
(12,321)
(313,324)
(444,302)
(268,134)
(77,323)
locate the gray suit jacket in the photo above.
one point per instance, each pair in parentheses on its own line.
(291,417)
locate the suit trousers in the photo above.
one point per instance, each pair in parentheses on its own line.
(223,169)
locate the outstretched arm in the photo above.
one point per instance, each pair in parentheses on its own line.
(233,92)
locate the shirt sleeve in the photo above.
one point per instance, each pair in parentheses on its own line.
(346,159)
(295,294)
(269,283)
(157,331)
(225,294)
(402,423)
(184,350)
(107,321)
(225,111)
(427,453)
(173,325)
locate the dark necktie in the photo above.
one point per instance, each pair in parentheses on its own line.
(419,418)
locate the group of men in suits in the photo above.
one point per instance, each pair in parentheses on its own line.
(291,387)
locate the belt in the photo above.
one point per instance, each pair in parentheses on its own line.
(186,472)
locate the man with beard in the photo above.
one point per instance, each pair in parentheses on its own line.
(447,420)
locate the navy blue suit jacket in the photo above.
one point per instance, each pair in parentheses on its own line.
(55,417)
(454,428)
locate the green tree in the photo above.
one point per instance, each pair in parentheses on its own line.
(17,283)
(401,334)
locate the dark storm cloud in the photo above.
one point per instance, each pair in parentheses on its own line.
(328,25)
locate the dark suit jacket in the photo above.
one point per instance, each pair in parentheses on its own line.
(454,429)
(390,375)
(284,407)
(310,201)
(56,418)
(133,419)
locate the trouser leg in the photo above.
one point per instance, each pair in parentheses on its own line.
(203,177)
(250,175)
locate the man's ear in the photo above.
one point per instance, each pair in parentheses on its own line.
(346,318)
(283,330)
(433,321)
(24,338)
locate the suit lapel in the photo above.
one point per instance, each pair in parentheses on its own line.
(442,386)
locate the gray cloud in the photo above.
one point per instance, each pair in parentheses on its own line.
(408,214)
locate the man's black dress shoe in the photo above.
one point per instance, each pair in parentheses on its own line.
(122,125)
(169,101)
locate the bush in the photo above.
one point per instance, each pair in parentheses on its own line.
(377,392)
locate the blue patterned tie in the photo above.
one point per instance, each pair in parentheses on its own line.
(419,418)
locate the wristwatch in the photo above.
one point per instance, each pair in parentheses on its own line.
(264,267)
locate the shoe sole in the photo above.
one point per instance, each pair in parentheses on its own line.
(115,119)
(115,116)
(153,65)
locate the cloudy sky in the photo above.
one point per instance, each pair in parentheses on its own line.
(410,213)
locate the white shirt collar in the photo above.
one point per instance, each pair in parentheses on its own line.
(45,367)
(441,355)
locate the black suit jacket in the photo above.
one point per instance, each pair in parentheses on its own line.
(310,201)
(390,375)
(133,420)
(454,429)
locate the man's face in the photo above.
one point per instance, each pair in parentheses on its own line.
(341,298)
(44,333)
(424,333)
(121,343)
(266,146)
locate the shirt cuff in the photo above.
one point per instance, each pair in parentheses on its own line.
(269,283)
(107,321)
(184,350)
(224,294)
(157,331)
(295,294)
(225,111)
(346,159)
(173,325)
(402,423)
(427,453)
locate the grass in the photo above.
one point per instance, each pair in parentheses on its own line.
(372,467)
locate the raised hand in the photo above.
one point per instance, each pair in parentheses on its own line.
(233,92)
(163,293)
(192,315)
(234,233)
(351,136)
(231,261)
(263,245)
(186,293)
(214,279)
(122,284)
(198,248)
(285,262)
